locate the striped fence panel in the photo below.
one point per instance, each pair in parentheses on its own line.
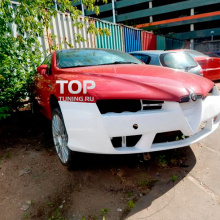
(161,43)
(149,41)
(172,44)
(114,41)
(65,34)
(132,39)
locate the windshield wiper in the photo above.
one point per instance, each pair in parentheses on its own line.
(119,62)
(74,66)
(116,62)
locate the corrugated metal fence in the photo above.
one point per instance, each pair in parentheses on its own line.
(121,37)
(114,41)
(62,27)
(149,41)
(174,44)
(161,43)
(132,39)
(67,35)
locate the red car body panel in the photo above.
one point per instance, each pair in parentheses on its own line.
(210,66)
(121,81)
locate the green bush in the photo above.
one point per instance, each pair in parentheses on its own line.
(20,55)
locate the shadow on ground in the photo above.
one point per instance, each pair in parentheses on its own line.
(105,185)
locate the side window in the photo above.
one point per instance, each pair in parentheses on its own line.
(47,61)
(145,58)
(155,60)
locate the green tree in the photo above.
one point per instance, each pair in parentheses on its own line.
(20,54)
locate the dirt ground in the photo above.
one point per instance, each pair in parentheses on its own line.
(34,184)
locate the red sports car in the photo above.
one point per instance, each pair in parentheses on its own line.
(108,102)
(210,65)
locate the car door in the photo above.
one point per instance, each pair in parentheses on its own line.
(43,86)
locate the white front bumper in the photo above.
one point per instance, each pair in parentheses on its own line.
(91,132)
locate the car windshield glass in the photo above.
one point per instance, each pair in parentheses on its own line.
(177,60)
(195,53)
(93,57)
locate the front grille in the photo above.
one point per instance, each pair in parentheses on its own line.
(199,96)
(118,105)
(168,137)
(125,141)
(127,105)
(116,142)
(151,105)
(188,98)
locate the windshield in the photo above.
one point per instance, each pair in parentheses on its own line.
(195,53)
(93,57)
(177,60)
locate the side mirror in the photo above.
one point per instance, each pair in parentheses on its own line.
(42,69)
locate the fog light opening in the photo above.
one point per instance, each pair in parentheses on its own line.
(215,118)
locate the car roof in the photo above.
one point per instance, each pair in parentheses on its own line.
(152,52)
(184,50)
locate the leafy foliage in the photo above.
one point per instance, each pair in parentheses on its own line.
(20,52)
(174,178)
(162,161)
(104,212)
(4,112)
(131,204)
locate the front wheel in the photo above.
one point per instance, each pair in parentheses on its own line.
(60,138)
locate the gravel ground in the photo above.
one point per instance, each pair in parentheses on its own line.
(34,184)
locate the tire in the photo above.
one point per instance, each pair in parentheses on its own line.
(60,139)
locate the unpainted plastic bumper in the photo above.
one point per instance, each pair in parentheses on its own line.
(91,132)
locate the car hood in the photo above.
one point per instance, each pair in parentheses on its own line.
(138,82)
